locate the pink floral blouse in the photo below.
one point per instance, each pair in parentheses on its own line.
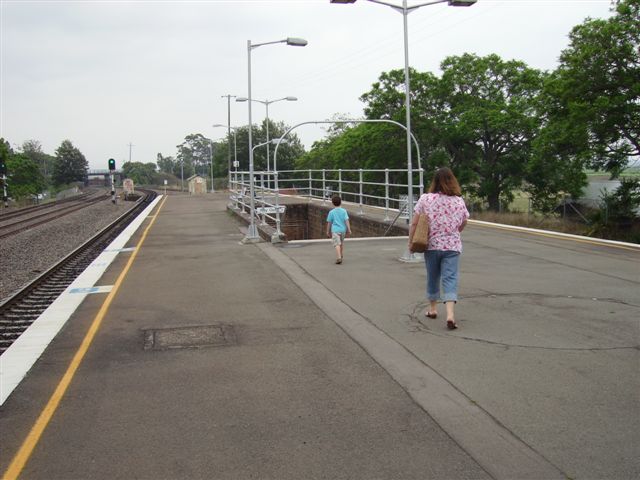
(446,214)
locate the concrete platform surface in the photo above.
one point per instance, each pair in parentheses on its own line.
(221,360)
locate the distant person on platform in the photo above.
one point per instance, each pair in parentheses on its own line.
(338,227)
(447,214)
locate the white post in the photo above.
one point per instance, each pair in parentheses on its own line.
(407,91)
(211,157)
(386,194)
(360,181)
(252,233)
(324,187)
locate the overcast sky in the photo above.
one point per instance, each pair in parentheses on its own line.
(104,74)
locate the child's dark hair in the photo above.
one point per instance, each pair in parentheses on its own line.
(336,200)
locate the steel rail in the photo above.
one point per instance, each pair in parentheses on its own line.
(23,307)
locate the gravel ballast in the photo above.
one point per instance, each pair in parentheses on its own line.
(27,254)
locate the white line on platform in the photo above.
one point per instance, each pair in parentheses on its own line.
(18,359)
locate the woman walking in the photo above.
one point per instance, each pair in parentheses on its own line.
(447,216)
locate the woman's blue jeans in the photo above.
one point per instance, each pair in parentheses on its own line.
(442,266)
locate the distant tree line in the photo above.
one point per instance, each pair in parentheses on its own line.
(30,171)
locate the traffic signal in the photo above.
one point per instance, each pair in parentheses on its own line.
(112,164)
(3,168)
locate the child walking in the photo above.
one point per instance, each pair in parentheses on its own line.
(338,226)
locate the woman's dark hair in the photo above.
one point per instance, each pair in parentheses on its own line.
(336,200)
(444,181)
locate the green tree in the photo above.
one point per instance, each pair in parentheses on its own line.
(287,153)
(593,98)
(24,177)
(618,214)
(166,164)
(70,164)
(140,173)
(194,154)
(33,150)
(479,118)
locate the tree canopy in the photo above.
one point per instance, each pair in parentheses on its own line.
(140,173)
(479,118)
(592,100)
(70,164)
(502,125)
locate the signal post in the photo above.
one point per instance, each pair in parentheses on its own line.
(112,168)
(3,174)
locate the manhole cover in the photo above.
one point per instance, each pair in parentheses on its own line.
(189,337)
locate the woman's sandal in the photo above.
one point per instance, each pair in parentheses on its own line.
(428,314)
(451,325)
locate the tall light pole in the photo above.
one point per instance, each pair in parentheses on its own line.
(252,233)
(228,97)
(406,10)
(211,158)
(266,103)
(235,147)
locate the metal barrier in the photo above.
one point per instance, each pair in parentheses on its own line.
(379,188)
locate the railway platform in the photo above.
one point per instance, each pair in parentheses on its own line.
(211,359)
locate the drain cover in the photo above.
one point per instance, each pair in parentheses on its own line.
(189,337)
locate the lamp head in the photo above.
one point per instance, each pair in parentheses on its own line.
(461,3)
(291,99)
(343,1)
(296,42)
(242,99)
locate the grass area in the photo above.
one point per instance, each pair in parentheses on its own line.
(554,224)
(631,172)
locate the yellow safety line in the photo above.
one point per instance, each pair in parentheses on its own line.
(28,446)
(557,237)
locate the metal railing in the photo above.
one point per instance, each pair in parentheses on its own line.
(380,188)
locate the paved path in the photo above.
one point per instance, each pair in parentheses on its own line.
(331,371)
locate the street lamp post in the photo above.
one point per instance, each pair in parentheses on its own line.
(228,97)
(211,158)
(235,146)
(266,103)
(406,10)
(252,233)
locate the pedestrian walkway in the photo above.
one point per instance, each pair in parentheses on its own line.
(270,388)
(222,360)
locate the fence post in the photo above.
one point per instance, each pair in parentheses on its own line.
(421,181)
(310,185)
(360,181)
(277,191)
(324,187)
(340,182)
(386,194)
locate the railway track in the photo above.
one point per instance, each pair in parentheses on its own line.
(6,215)
(21,221)
(21,309)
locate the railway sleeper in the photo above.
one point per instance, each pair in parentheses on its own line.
(25,309)
(6,323)
(13,330)
(21,316)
